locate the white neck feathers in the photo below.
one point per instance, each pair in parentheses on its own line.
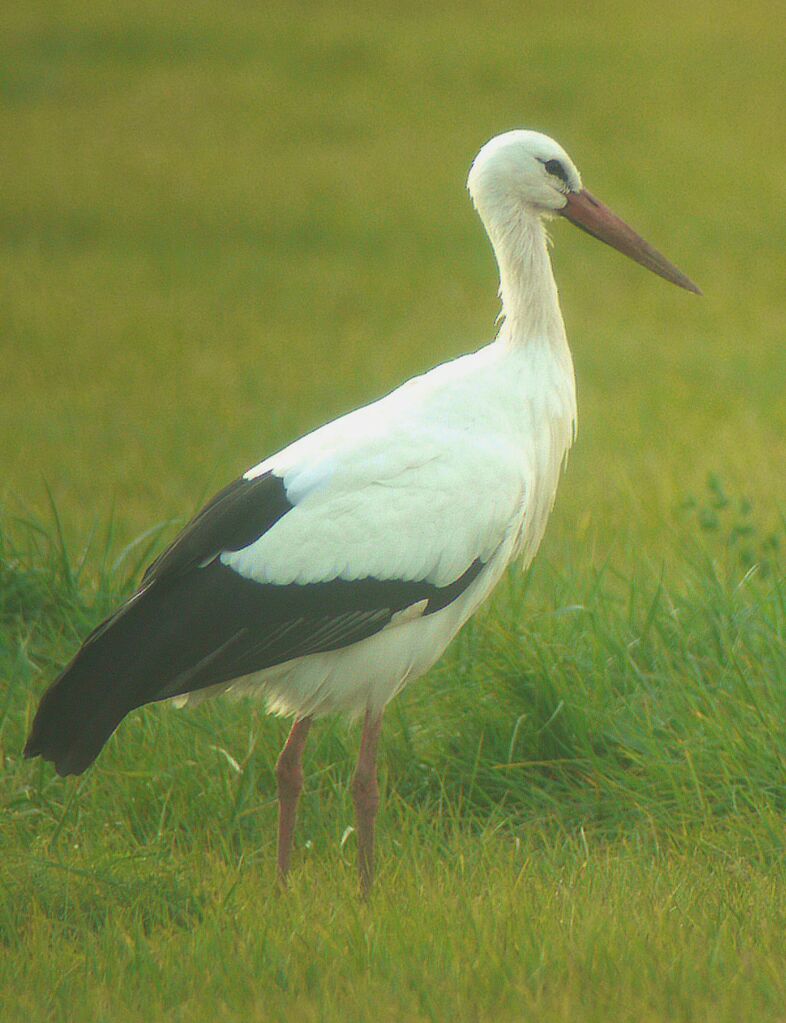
(530,304)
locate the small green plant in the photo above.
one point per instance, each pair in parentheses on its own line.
(731,522)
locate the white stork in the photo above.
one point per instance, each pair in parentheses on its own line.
(337,570)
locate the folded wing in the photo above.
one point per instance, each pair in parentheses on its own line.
(210,609)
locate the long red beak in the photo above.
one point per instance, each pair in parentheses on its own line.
(588,213)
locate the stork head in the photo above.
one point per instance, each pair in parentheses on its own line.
(524,173)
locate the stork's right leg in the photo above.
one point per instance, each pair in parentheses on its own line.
(289,772)
(365,792)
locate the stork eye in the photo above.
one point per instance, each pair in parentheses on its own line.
(555,167)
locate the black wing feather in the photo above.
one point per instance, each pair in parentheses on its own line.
(195,623)
(236,517)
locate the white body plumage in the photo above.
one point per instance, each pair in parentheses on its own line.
(460,463)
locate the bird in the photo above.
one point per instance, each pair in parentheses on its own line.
(337,570)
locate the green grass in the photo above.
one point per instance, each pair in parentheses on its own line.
(222,224)
(582,814)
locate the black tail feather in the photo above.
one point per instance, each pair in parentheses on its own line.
(162,634)
(85,704)
(73,724)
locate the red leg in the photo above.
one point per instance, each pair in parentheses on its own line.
(365,793)
(289,772)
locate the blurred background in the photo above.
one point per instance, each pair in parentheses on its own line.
(224,223)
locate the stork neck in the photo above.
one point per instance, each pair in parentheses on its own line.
(530,305)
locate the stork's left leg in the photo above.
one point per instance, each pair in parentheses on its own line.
(365,793)
(289,773)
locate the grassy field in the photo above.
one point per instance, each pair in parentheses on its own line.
(219,226)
